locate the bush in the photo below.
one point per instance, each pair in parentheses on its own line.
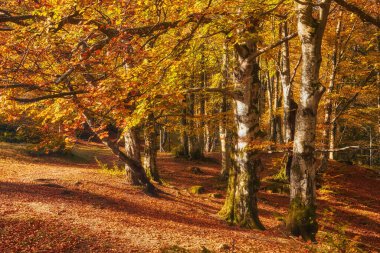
(178,152)
(51,144)
(114,170)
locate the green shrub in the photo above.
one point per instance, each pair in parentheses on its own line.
(197,189)
(178,151)
(114,170)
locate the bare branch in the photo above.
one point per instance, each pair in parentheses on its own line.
(365,17)
(295,69)
(37,99)
(278,43)
(15,85)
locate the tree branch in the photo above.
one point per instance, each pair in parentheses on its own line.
(267,48)
(225,91)
(295,69)
(37,99)
(353,98)
(359,12)
(15,85)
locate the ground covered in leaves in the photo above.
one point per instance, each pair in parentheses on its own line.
(74,204)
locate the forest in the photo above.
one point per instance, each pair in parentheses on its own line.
(190,126)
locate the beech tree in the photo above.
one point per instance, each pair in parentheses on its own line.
(302,214)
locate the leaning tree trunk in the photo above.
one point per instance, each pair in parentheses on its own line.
(134,166)
(240,206)
(301,219)
(150,150)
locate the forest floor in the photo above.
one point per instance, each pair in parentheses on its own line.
(70,204)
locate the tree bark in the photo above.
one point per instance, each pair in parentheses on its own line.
(150,150)
(240,206)
(183,134)
(224,133)
(195,151)
(270,91)
(289,105)
(132,150)
(278,138)
(329,103)
(202,105)
(134,166)
(301,219)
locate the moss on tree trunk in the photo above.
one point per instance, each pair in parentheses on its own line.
(240,207)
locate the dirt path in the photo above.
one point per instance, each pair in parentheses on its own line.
(68,205)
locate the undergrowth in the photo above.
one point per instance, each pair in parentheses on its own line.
(114,170)
(337,240)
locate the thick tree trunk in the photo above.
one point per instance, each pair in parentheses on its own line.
(302,214)
(132,150)
(134,166)
(240,206)
(150,150)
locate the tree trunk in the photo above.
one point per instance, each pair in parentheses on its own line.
(195,151)
(301,219)
(184,148)
(270,89)
(150,150)
(132,150)
(332,139)
(289,105)
(202,105)
(163,139)
(329,103)
(134,166)
(240,206)
(224,133)
(278,138)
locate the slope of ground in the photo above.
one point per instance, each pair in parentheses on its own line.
(67,204)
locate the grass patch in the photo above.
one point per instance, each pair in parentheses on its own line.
(114,170)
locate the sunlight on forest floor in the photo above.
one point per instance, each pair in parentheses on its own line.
(66,204)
